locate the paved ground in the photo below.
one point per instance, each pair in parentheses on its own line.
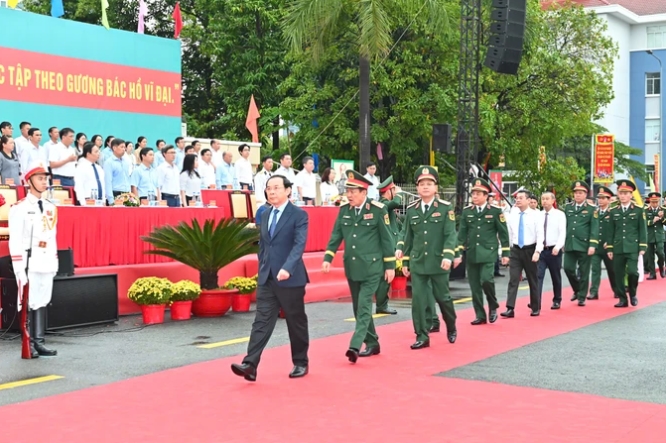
(100,355)
(619,358)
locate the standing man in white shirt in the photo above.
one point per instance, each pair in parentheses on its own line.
(286,170)
(244,168)
(206,169)
(89,176)
(215,146)
(54,135)
(370,170)
(33,153)
(62,158)
(23,140)
(555,234)
(168,178)
(306,182)
(261,178)
(526,236)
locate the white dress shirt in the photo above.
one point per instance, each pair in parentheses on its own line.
(207,173)
(59,153)
(21,143)
(260,185)
(168,179)
(32,155)
(243,171)
(556,229)
(307,181)
(291,176)
(532,228)
(190,183)
(85,181)
(373,192)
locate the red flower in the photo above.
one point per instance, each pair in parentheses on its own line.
(2,200)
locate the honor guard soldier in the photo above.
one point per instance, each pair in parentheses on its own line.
(601,253)
(369,256)
(654,214)
(628,231)
(392,200)
(429,244)
(481,225)
(32,245)
(582,241)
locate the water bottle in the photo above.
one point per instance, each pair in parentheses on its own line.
(197,199)
(327,197)
(93,194)
(236,184)
(297,199)
(151,198)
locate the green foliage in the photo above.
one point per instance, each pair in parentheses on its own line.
(206,248)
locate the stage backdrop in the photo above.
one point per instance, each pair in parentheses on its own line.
(56,72)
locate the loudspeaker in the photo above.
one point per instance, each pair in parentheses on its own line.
(65,262)
(507,32)
(83,300)
(441,138)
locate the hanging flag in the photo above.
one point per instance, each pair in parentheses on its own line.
(636,195)
(12,3)
(178,19)
(105,19)
(143,12)
(57,9)
(251,121)
(380,155)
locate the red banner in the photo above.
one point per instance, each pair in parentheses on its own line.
(657,176)
(604,158)
(496,177)
(54,80)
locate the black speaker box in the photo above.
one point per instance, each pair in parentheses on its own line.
(78,301)
(507,32)
(441,138)
(65,264)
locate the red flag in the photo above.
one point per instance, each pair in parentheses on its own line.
(380,155)
(251,121)
(178,19)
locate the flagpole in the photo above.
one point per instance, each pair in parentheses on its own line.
(592,164)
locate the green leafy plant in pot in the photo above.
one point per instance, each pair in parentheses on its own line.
(206,248)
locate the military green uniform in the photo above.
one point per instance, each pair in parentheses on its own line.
(382,296)
(582,234)
(628,232)
(479,231)
(655,236)
(369,252)
(601,253)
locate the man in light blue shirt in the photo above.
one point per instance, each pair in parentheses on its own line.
(159,158)
(144,177)
(226,173)
(180,152)
(116,172)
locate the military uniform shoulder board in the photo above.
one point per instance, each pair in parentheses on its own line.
(468,207)
(378,204)
(415,203)
(444,201)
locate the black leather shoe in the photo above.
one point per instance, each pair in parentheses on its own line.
(508,313)
(535,313)
(46,352)
(622,304)
(352,355)
(555,305)
(574,297)
(245,370)
(633,300)
(369,351)
(298,371)
(421,344)
(651,277)
(493,316)
(593,297)
(478,321)
(452,336)
(581,302)
(434,329)
(662,273)
(387,311)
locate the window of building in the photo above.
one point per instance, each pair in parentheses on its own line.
(3,3)
(656,37)
(652,83)
(652,130)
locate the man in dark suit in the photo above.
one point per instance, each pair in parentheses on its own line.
(282,280)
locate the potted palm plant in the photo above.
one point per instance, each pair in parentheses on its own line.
(207,249)
(182,295)
(246,286)
(152,294)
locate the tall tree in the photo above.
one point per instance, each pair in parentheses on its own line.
(314,25)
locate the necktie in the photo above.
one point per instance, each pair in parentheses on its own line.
(358,211)
(425,209)
(41,206)
(521,231)
(624,209)
(545,230)
(99,183)
(271,229)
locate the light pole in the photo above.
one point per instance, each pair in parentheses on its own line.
(661,118)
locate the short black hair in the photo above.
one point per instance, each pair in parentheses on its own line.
(368,164)
(266,157)
(64,132)
(116,142)
(144,152)
(178,139)
(204,150)
(32,131)
(307,158)
(24,124)
(285,181)
(4,125)
(283,155)
(241,147)
(166,149)
(525,193)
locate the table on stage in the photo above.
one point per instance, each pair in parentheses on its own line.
(103,236)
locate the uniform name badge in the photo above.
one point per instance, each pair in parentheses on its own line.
(42,244)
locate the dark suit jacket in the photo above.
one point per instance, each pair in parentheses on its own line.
(285,249)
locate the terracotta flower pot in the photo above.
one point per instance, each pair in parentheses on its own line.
(153,314)
(181,310)
(241,302)
(213,303)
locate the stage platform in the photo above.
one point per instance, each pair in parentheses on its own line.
(322,286)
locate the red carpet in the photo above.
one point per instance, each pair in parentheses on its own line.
(389,398)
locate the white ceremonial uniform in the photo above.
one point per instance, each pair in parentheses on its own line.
(26,223)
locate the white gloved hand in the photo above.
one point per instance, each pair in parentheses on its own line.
(21,277)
